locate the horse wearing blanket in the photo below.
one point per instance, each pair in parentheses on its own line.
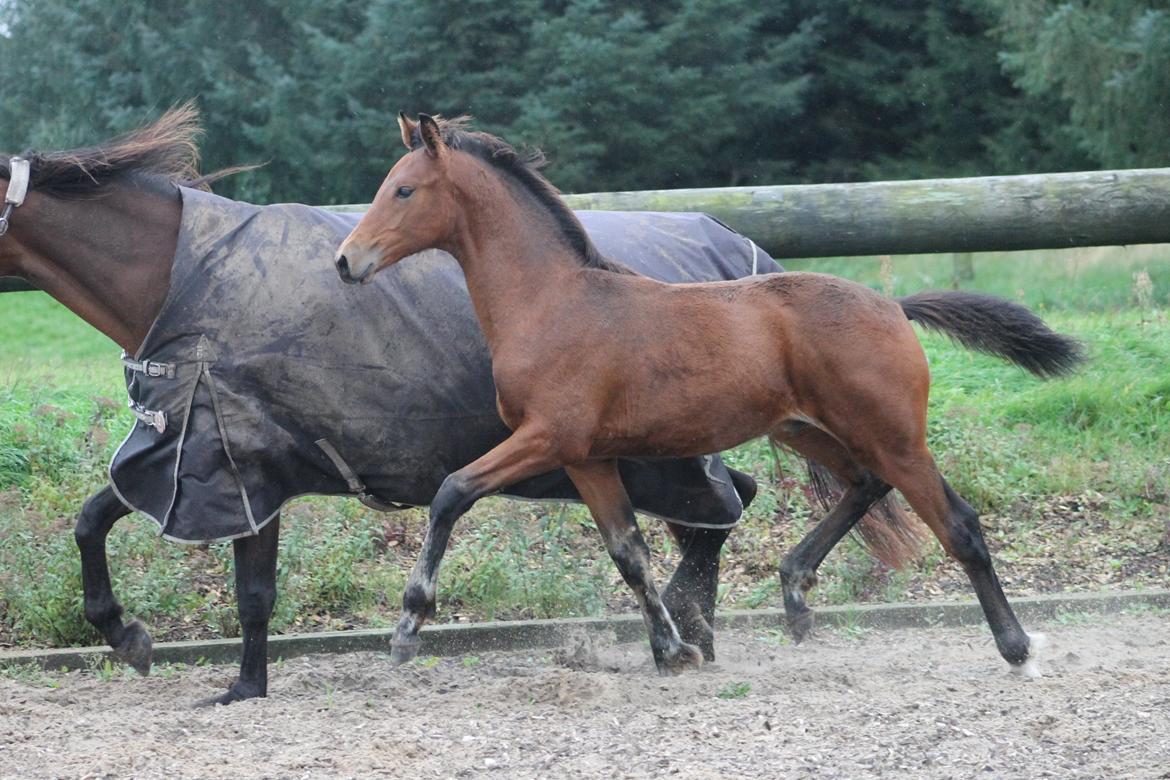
(255,377)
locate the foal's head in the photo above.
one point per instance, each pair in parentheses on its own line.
(423,201)
(413,210)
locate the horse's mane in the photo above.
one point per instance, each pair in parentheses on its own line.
(166,148)
(524,168)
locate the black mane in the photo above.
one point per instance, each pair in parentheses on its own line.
(524,169)
(166,148)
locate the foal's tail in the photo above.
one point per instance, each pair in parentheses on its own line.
(997,327)
(886,531)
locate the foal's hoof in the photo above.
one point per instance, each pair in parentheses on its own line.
(800,624)
(135,648)
(1030,666)
(681,659)
(404,650)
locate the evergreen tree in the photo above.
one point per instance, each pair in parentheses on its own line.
(621,95)
(1108,61)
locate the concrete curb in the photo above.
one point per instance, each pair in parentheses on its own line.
(455,639)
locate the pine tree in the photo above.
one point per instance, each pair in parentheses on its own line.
(1108,61)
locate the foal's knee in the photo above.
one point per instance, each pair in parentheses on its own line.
(455,496)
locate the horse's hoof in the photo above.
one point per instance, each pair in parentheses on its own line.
(1030,667)
(707,647)
(698,632)
(237,692)
(135,648)
(695,630)
(683,658)
(403,651)
(800,625)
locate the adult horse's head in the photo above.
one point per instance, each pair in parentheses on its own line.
(95,227)
(413,210)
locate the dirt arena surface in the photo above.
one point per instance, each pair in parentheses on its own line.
(935,703)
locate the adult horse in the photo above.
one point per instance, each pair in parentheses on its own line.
(252,385)
(825,366)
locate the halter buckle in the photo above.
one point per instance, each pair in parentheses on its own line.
(18,176)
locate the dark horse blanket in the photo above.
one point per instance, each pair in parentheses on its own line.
(265,378)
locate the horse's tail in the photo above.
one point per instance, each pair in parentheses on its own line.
(886,531)
(997,327)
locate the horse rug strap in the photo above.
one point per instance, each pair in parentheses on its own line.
(265,378)
(356,486)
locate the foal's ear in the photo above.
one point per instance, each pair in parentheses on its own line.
(408,129)
(432,138)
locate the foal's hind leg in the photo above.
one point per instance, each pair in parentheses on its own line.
(798,571)
(602,490)
(957,526)
(690,595)
(131,642)
(524,454)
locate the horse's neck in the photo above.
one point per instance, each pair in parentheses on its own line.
(108,258)
(511,261)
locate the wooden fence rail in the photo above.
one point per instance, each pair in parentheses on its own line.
(988,213)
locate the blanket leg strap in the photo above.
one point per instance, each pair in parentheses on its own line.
(356,486)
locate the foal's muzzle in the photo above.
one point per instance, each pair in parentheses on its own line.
(356,264)
(348,276)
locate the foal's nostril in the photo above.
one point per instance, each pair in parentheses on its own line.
(343,265)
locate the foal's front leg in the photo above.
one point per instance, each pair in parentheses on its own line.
(602,490)
(524,454)
(131,642)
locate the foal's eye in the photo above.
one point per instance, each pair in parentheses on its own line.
(404,192)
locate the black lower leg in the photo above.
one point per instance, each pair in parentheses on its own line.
(690,595)
(131,643)
(255,564)
(798,571)
(969,548)
(631,555)
(454,498)
(602,490)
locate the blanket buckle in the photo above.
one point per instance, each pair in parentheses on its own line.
(152,418)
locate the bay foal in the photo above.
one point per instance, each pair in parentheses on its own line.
(825,366)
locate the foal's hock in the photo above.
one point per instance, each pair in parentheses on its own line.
(819,364)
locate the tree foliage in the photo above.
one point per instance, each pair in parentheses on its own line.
(1108,61)
(620,95)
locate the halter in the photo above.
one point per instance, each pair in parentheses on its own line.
(17,189)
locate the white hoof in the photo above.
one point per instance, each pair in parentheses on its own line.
(1030,668)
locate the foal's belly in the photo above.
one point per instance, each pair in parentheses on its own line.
(688,419)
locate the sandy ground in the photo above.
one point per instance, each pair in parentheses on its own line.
(926,703)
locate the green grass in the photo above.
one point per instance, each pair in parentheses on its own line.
(1081,280)
(41,340)
(1012,445)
